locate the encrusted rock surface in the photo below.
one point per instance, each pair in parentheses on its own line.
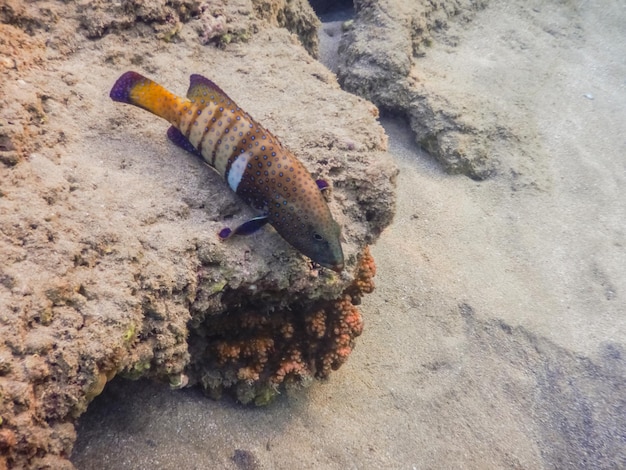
(220,22)
(379,59)
(111,262)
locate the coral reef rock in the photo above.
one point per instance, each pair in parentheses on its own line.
(259,346)
(379,59)
(111,262)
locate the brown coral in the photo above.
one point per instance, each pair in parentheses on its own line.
(364,279)
(254,353)
(316,324)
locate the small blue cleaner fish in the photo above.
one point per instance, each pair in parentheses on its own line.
(266,175)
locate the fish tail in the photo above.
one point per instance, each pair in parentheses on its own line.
(133,88)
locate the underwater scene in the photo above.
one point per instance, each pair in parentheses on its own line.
(312,234)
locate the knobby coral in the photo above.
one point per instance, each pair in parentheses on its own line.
(254,352)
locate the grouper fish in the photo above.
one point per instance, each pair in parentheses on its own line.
(266,175)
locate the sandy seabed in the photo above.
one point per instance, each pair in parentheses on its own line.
(495,338)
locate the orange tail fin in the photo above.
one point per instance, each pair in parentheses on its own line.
(135,89)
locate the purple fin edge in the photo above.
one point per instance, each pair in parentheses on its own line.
(196,80)
(247,228)
(322,184)
(121,89)
(178,139)
(225,233)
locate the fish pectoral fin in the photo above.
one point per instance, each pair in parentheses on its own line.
(177,138)
(322,185)
(246,228)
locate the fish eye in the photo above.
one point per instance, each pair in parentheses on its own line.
(318,237)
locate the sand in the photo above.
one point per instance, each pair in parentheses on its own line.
(495,338)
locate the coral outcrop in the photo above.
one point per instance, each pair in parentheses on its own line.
(379,60)
(110,260)
(258,349)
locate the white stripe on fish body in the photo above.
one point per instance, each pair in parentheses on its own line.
(237,170)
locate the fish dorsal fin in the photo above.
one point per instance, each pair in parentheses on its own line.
(203,88)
